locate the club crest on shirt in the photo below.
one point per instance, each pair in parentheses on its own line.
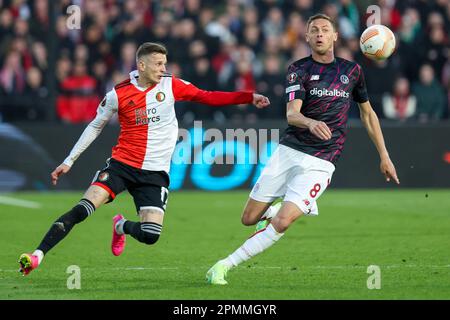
(292,77)
(103,176)
(344,79)
(160,96)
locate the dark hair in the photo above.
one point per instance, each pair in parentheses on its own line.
(149,48)
(321,16)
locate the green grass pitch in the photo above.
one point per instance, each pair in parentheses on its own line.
(404,232)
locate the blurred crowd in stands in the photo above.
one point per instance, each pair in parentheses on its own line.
(217,45)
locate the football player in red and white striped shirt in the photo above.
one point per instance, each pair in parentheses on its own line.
(140,161)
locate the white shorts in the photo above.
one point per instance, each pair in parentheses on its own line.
(294,176)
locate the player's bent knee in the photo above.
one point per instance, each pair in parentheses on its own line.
(281,224)
(150,232)
(149,238)
(249,218)
(246,220)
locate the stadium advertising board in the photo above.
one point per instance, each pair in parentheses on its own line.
(217,159)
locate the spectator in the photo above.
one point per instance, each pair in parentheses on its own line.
(39,22)
(64,41)
(197,49)
(191,10)
(19,9)
(100,72)
(204,77)
(348,19)
(81,53)
(305,7)
(206,16)
(380,79)
(300,51)
(270,84)
(411,27)
(242,80)
(222,62)
(6,23)
(127,62)
(194,30)
(401,104)
(78,100)
(92,39)
(391,13)
(233,12)
(251,16)
(345,53)
(294,31)
(39,56)
(36,95)
(160,32)
(21,46)
(220,28)
(272,45)
(430,95)
(12,75)
(409,46)
(273,23)
(436,48)
(252,37)
(63,68)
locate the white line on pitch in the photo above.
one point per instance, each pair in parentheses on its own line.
(278,267)
(253,267)
(19,202)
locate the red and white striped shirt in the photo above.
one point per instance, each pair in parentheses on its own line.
(148,124)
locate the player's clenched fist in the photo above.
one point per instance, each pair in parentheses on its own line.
(320,129)
(61,169)
(260,101)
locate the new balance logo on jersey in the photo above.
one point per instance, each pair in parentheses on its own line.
(314,77)
(329,93)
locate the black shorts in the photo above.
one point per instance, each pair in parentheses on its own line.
(148,188)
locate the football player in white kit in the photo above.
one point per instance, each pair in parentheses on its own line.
(319,90)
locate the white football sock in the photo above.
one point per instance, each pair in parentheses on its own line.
(119,226)
(272,211)
(257,243)
(39,254)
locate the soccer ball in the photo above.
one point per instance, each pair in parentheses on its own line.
(377,42)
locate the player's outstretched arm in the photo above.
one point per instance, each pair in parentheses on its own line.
(186,91)
(372,125)
(89,134)
(105,111)
(260,101)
